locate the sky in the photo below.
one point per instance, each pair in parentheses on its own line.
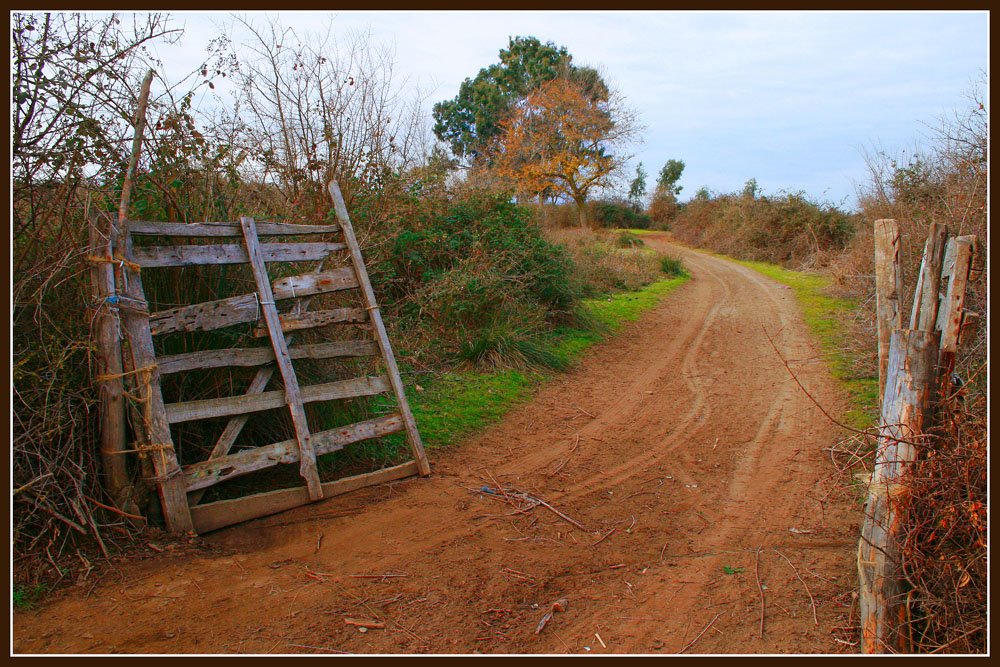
(791,99)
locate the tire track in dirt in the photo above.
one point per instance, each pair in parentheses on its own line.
(685,447)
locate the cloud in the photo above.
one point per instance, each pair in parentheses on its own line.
(786,97)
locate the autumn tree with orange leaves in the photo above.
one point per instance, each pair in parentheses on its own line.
(562,143)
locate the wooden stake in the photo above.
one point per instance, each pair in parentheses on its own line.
(371,305)
(888,284)
(108,338)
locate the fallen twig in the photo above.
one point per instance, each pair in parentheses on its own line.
(115,510)
(568,456)
(362,623)
(557,512)
(600,640)
(606,536)
(879,433)
(585,412)
(376,576)
(812,601)
(31,483)
(703,631)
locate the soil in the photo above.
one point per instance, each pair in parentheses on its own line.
(711,519)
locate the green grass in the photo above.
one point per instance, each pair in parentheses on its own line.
(825,316)
(616,310)
(457,404)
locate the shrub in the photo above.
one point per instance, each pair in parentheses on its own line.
(672,266)
(614,214)
(628,240)
(788,229)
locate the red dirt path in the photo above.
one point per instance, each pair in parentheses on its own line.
(682,446)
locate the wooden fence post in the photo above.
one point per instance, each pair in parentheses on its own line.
(912,371)
(108,358)
(888,284)
(108,333)
(927,296)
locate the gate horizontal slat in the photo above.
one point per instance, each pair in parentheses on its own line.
(227,512)
(224,229)
(258,356)
(220,313)
(269,400)
(208,473)
(317,318)
(192,255)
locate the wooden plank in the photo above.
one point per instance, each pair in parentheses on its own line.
(192,255)
(293,396)
(154,429)
(371,305)
(208,473)
(949,321)
(228,512)
(259,356)
(888,286)
(923,316)
(317,318)
(951,314)
(224,229)
(269,400)
(220,313)
(314,283)
(206,316)
(912,371)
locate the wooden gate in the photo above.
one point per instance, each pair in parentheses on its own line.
(274,310)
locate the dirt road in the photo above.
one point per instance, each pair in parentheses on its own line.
(693,463)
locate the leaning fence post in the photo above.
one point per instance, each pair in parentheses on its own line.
(888,284)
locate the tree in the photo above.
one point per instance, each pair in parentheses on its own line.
(559,142)
(73,91)
(474,118)
(751,189)
(312,108)
(669,175)
(637,189)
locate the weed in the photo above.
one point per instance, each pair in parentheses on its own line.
(25,597)
(672,266)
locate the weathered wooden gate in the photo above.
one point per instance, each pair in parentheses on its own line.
(274,310)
